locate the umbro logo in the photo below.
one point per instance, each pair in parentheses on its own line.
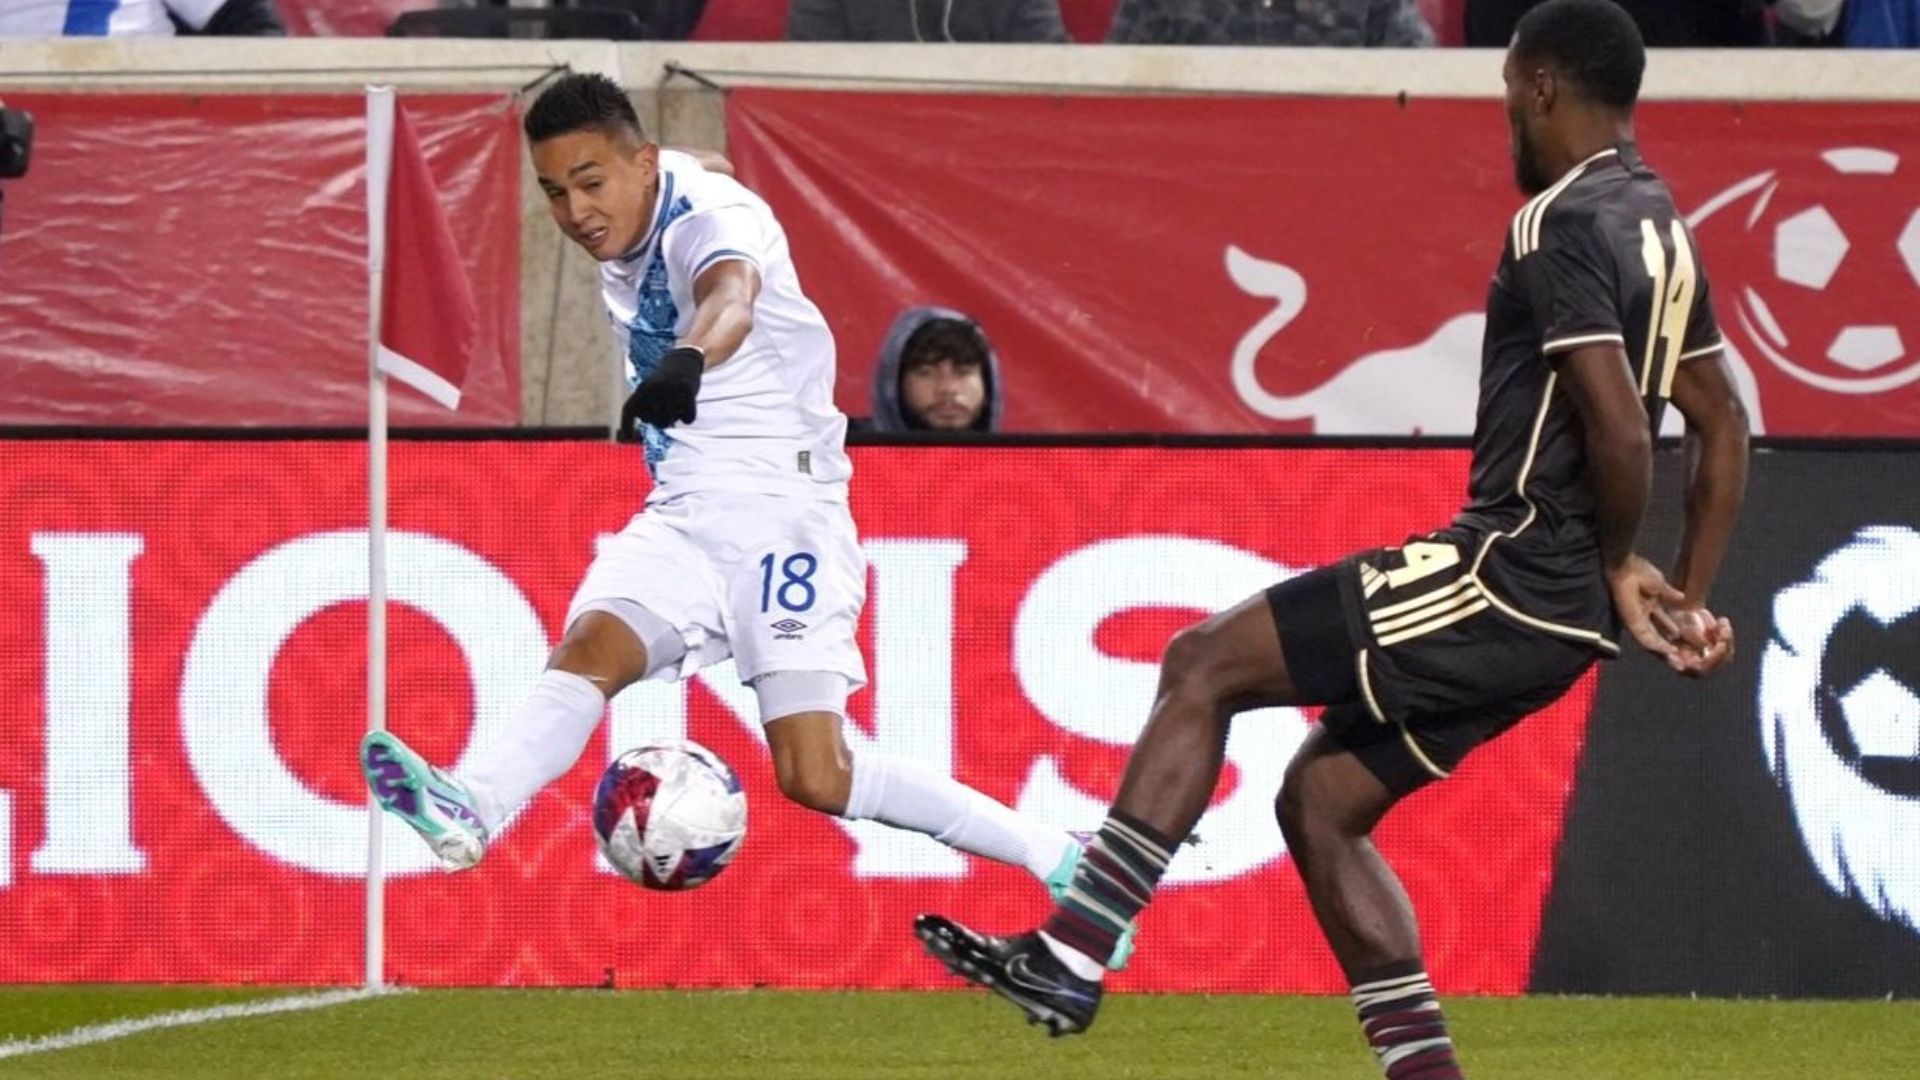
(789,627)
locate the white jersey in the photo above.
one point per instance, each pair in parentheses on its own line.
(766,422)
(97,18)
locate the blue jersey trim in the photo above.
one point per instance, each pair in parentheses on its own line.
(89,18)
(660,218)
(721,256)
(651,333)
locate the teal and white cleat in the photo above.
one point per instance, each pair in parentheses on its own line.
(437,806)
(1061,880)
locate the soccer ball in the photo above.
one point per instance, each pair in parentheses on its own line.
(669,816)
(1841,237)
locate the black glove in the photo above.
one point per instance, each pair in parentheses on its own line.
(665,397)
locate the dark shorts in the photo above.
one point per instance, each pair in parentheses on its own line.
(1416,662)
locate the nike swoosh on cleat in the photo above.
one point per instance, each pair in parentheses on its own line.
(1023,976)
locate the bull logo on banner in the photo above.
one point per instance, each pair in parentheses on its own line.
(1816,234)
(1427,389)
(1840,717)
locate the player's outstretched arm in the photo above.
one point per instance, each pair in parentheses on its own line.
(723,297)
(1619,445)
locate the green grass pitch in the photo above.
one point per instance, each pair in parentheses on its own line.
(765,1035)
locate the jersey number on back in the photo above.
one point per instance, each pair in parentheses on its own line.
(1673,293)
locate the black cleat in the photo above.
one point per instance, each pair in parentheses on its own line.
(1019,968)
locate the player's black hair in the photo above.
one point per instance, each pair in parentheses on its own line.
(582,101)
(1593,43)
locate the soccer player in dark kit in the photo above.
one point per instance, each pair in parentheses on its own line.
(1598,316)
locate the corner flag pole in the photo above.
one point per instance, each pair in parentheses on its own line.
(379,166)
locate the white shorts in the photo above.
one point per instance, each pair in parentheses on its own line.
(776,582)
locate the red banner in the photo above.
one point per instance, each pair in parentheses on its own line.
(344,18)
(1291,265)
(179,798)
(201,260)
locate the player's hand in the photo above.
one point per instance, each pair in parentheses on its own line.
(1703,640)
(1640,591)
(666,396)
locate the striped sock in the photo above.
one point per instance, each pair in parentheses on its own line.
(1114,880)
(1403,1024)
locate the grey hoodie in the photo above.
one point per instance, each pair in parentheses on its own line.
(887,415)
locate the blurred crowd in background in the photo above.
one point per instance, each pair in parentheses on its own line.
(1401,23)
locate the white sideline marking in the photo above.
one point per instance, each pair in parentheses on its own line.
(120,1029)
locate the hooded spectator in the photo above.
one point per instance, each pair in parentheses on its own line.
(936,372)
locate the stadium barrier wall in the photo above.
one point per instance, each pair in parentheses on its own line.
(179,799)
(681,86)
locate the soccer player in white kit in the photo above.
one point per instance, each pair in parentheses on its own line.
(745,547)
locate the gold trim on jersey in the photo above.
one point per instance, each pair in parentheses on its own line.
(1520,488)
(1380,716)
(1466,606)
(1526,223)
(1366,687)
(1420,755)
(1388,612)
(1563,344)
(1371,581)
(1704,350)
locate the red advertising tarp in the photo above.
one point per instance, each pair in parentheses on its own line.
(1289,264)
(201,260)
(344,18)
(179,798)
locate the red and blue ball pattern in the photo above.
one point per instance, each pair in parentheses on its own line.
(669,816)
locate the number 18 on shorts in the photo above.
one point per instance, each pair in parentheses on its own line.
(775,582)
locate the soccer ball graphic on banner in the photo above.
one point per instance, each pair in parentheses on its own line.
(1839,234)
(669,816)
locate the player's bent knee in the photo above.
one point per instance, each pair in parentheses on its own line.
(598,647)
(810,762)
(1309,832)
(803,713)
(1193,669)
(815,787)
(616,643)
(1290,809)
(1185,663)
(1318,806)
(1308,803)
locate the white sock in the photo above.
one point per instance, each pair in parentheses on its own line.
(907,795)
(1076,961)
(549,733)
